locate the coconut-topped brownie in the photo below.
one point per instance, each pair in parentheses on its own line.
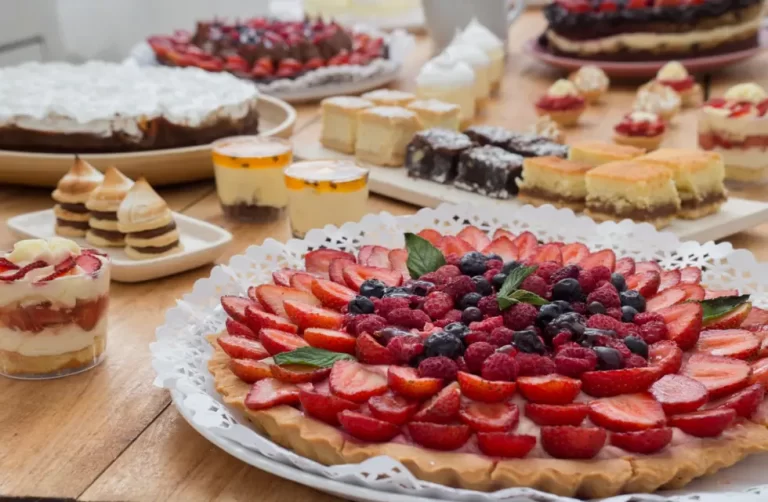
(556,181)
(434,154)
(490,171)
(598,152)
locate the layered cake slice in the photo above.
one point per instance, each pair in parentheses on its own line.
(389,97)
(339,121)
(383,134)
(435,113)
(489,170)
(434,154)
(148,224)
(698,178)
(103,204)
(556,181)
(71,194)
(640,191)
(597,153)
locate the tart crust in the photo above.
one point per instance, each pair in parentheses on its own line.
(647,143)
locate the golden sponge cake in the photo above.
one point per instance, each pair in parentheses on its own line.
(389,97)
(383,134)
(556,181)
(437,114)
(597,153)
(339,121)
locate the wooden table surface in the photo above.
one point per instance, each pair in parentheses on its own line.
(109,434)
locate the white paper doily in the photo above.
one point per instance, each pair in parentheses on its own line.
(181,352)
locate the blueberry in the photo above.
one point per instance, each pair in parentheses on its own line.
(419,288)
(596,308)
(473,264)
(572,322)
(591,336)
(469,300)
(528,341)
(471,314)
(396,293)
(443,344)
(482,285)
(628,313)
(494,256)
(509,267)
(608,358)
(457,329)
(386,334)
(633,299)
(568,290)
(547,313)
(637,345)
(563,306)
(373,288)
(498,280)
(618,282)
(361,305)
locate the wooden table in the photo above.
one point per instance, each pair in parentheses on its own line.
(109,434)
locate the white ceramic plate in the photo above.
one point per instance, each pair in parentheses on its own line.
(202,242)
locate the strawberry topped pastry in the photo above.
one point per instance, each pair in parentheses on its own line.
(486,361)
(674,75)
(641,129)
(53,308)
(562,103)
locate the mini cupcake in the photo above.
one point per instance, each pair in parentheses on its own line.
(591,81)
(640,129)
(562,102)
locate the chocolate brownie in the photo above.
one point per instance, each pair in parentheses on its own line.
(434,154)
(489,170)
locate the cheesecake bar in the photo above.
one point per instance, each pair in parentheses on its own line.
(490,171)
(640,191)
(434,154)
(597,153)
(383,134)
(389,97)
(698,178)
(339,121)
(556,181)
(435,113)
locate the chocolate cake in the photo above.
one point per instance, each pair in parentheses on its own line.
(434,154)
(489,170)
(526,145)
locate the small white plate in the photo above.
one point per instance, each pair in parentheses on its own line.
(202,242)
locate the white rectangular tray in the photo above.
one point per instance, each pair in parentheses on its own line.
(202,243)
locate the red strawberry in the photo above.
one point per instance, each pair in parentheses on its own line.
(732,319)
(331,295)
(605,258)
(453,245)
(314,63)
(310,316)
(666,356)
(373,256)
(367,428)
(645,442)
(692,291)
(745,402)
(391,408)
(319,260)
(370,351)
(489,417)
(683,323)
(235,306)
(505,444)
(405,381)
(665,299)
(690,275)
(556,414)
(355,275)
(6,264)
(398,261)
(479,389)
(626,413)
(242,348)
(270,392)
(760,372)
(503,247)
(526,244)
(679,394)
(88,263)
(647,266)
(354,381)
(258,320)
(625,266)
(645,283)
(474,237)
(235,328)
(272,298)
(566,441)
(549,389)
(707,423)
(615,382)
(575,6)
(574,253)
(503,232)
(299,373)
(441,408)
(720,375)
(439,436)
(737,343)
(302,281)
(336,270)
(325,407)
(250,370)
(669,278)
(275,341)
(548,252)
(757,318)
(283,276)
(328,339)
(709,294)
(433,236)
(61,269)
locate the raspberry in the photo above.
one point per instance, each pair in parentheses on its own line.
(449,271)
(533,364)
(614,313)
(519,316)
(438,367)
(490,273)
(510,350)
(491,264)
(453,316)
(474,337)
(405,348)
(627,328)
(452,259)
(561,338)
(461,364)
(487,325)
(567,272)
(434,278)
(476,354)
(501,336)
(573,361)
(457,287)
(646,317)
(407,318)
(653,332)
(587,281)
(600,284)
(366,323)
(386,305)
(499,367)
(546,270)
(579,307)
(615,344)
(567,345)
(535,284)
(438,304)
(635,361)
(607,295)
(601,321)
(489,306)
(601,273)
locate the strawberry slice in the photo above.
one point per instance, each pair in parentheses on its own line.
(235,306)
(503,247)
(398,261)
(328,339)
(666,298)
(605,258)
(299,373)
(503,232)
(352,380)
(257,320)
(556,414)
(756,319)
(367,428)
(302,281)
(625,266)
(441,408)
(391,408)
(373,256)
(567,441)
(669,278)
(433,236)
(709,294)
(526,244)
(271,392)
(250,370)
(645,442)
(325,407)
(732,319)
(487,391)
(574,253)
(449,244)
(272,298)
(679,394)
(549,389)
(331,295)
(690,275)
(283,276)
(319,261)
(88,263)
(645,283)
(615,382)
(489,417)
(439,436)
(720,375)
(647,266)
(760,372)
(666,356)
(405,381)
(745,402)
(355,275)
(60,269)
(705,424)
(548,252)
(238,347)
(737,343)
(692,291)
(474,237)
(683,323)
(276,341)
(370,351)
(505,444)
(336,270)
(6,264)
(626,413)
(235,328)
(309,316)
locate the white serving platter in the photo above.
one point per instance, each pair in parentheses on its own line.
(202,241)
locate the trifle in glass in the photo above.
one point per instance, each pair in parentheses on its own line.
(53,308)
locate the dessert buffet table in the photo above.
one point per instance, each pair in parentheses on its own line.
(110,434)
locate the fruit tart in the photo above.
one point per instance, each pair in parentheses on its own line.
(659,99)
(562,103)
(674,75)
(641,129)
(489,362)
(591,81)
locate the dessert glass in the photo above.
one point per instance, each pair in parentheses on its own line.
(53,309)
(325,192)
(249,176)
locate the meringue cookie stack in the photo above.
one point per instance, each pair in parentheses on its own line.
(71,194)
(447,79)
(148,224)
(103,204)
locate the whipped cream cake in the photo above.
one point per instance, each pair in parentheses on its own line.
(383,134)
(148,223)
(339,121)
(674,75)
(434,113)
(102,205)
(596,153)
(591,82)
(389,97)
(476,33)
(71,194)
(478,60)
(108,107)
(53,308)
(562,102)
(640,129)
(451,81)
(434,154)
(555,181)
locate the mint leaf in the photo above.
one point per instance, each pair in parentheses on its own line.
(310,356)
(423,257)
(505,302)
(717,307)
(506,296)
(523,296)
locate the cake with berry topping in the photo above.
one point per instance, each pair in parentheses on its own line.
(492,363)
(562,102)
(597,153)
(674,75)
(489,170)
(434,154)
(53,308)
(640,129)
(555,181)
(339,121)
(383,134)
(71,194)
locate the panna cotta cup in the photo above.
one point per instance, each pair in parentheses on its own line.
(249,176)
(325,192)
